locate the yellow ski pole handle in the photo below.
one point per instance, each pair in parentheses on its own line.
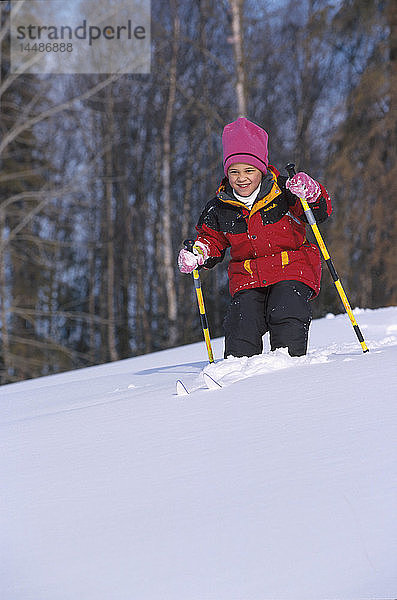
(312,222)
(203,316)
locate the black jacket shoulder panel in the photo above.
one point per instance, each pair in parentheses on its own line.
(209,216)
(220,216)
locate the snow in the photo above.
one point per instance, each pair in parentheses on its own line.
(282,485)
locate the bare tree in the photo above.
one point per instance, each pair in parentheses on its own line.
(108,230)
(237,40)
(167,253)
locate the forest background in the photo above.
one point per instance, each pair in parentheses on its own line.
(103,176)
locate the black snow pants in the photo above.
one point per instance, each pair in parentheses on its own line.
(281,309)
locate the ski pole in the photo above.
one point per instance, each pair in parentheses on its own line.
(200,301)
(290,168)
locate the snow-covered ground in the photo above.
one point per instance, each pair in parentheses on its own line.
(280,486)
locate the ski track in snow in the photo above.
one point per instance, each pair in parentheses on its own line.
(231,370)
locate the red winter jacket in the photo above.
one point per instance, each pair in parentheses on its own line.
(267,244)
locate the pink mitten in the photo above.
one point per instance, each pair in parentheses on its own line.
(188,261)
(304,186)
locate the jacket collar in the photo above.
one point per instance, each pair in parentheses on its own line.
(268,191)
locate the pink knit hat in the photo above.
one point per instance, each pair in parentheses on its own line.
(244,142)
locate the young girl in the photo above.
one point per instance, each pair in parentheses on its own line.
(274,271)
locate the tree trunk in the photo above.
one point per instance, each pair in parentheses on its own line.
(110,282)
(167,250)
(5,342)
(237,41)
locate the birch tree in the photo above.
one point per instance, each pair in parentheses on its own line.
(167,253)
(237,40)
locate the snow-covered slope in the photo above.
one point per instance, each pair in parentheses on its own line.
(281,485)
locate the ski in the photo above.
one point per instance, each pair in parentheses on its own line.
(210,382)
(181,388)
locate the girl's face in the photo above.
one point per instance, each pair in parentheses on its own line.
(243,178)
